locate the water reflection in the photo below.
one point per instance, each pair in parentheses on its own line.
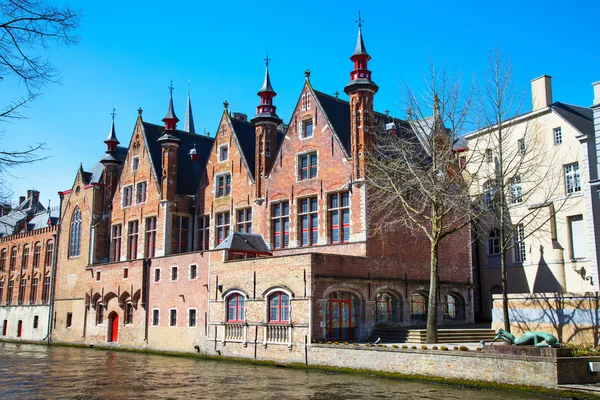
(38,372)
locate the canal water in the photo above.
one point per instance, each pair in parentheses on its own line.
(39,372)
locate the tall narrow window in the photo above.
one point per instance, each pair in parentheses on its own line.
(307,166)
(22,288)
(519,240)
(9,292)
(46,291)
(309,221)
(99,313)
(307,129)
(75,234)
(13,259)
(3,260)
(1,291)
(116,242)
(280,223)
(37,251)
(522,147)
(155,317)
(140,192)
(223,185)
(572,178)
(558,135)
(150,237)
(222,226)
(489,192)
(279,308)
(33,291)
(339,217)
(180,234)
(132,239)
(36,322)
(244,221)
(25,257)
(236,307)
(223,153)
(578,237)
(172,317)
(192,317)
(156,274)
(49,253)
(174,273)
(135,163)
(516,192)
(127,196)
(203,232)
(128,313)
(494,242)
(489,156)
(69,319)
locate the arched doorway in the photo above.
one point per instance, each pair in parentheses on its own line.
(386,308)
(418,307)
(343,316)
(113,327)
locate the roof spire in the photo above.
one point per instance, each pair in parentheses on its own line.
(188,125)
(266,94)
(360,44)
(360,75)
(112,141)
(170,119)
(266,87)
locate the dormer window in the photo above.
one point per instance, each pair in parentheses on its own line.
(135,163)
(223,153)
(307,129)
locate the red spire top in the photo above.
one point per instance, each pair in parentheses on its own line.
(112,141)
(266,93)
(170,119)
(360,57)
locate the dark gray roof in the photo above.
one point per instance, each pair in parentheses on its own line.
(360,45)
(170,110)
(266,87)
(580,117)
(246,135)
(112,136)
(14,222)
(188,125)
(189,172)
(460,143)
(95,173)
(246,242)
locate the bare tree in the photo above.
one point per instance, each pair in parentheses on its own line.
(28,29)
(522,183)
(415,177)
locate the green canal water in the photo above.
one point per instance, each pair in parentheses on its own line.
(39,372)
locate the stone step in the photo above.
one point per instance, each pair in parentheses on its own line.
(403,335)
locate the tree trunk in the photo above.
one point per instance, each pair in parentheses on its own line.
(432,333)
(504,290)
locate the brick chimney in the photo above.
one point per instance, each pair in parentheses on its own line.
(541,92)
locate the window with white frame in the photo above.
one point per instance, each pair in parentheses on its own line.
(193,271)
(489,156)
(516,190)
(489,192)
(244,221)
(236,308)
(174,273)
(192,314)
(494,242)
(519,242)
(522,147)
(223,153)
(578,236)
(307,166)
(572,178)
(135,163)
(155,317)
(223,185)
(279,308)
(173,317)
(307,129)
(558,135)
(140,192)
(127,196)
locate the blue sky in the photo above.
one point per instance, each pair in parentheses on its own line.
(130,50)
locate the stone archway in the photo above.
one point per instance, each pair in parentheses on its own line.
(113,328)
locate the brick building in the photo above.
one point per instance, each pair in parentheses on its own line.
(250,243)
(27,243)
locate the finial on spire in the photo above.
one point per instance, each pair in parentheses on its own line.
(359,20)
(307,73)
(188,125)
(170,119)
(267,59)
(171,88)
(112,141)
(337,94)
(226,104)
(113,113)
(140,111)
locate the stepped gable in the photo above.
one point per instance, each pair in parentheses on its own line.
(189,173)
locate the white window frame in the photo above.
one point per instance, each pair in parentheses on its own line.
(520,251)
(133,160)
(158,319)
(306,154)
(516,190)
(219,153)
(573,174)
(522,147)
(302,127)
(557,133)
(190,272)
(489,156)
(123,196)
(174,268)
(216,184)
(154,275)
(176,317)
(188,317)
(137,185)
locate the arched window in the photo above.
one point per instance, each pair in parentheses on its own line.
(13,259)
(75,234)
(494,242)
(25,257)
(49,253)
(37,250)
(387,308)
(3,256)
(489,191)
(452,308)
(236,308)
(418,307)
(279,308)
(99,313)
(516,191)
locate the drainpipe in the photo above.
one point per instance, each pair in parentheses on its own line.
(53,272)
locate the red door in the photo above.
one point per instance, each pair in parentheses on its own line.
(113,326)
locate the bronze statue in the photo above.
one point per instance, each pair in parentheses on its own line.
(538,339)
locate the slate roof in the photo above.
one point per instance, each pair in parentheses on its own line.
(189,173)
(9,222)
(95,173)
(246,242)
(581,118)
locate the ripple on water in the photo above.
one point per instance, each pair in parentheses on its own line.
(38,372)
